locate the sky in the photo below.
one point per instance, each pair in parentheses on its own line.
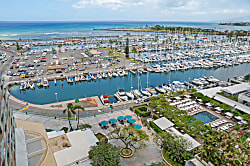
(125,10)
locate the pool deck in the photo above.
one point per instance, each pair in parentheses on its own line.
(148,155)
(220,117)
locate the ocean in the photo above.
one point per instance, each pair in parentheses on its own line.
(11,30)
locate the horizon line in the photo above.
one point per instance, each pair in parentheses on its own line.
(102,21)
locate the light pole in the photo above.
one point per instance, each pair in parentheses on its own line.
(57,101)
(56,97)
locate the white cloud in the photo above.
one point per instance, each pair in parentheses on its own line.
(170,8)
(113,4)
(161,4)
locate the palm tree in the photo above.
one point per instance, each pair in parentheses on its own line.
(78,108)
(69,111)
(134,50)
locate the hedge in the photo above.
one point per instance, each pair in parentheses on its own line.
(143,114)
(155,117)
(235,98)
(235,82)
(155,127)
(49,130)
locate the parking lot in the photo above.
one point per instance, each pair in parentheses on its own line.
(36,64)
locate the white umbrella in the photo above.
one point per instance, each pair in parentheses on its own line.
(229,114)
(238,118)
(177,98)
(218,108)
(243,121)
(208,104)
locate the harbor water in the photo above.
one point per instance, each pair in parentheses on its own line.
(110,86)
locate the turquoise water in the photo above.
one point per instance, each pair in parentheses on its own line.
(111,86)
(30,30)
(205,117)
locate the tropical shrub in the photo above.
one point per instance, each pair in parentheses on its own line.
(155,117)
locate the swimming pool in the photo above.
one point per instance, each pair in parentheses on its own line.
(205,117)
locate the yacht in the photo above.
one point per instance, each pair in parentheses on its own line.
(137,93)
(99,76)
(45,83)
(130,95)
(39,83)
(22,86)
(70,79)
(114,74)
(145,92)
(151,90)
(160,89)
(104,75)
(88,78)
(77,79)
(32,85)
(120,73)
(122,95)
(104,99)
(132,71)
(82,78)
(110,74)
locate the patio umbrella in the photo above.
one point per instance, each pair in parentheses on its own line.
(137,126)
(121,118)
(177,98)
(104,123)
(112,120)
(218,108)
(238,118)
(131,121)
(128,117)
(229,114)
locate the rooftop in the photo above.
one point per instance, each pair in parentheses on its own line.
(80,141)
(163,123)
(191,142)
(236,88)
(36,142)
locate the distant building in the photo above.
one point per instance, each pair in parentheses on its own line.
(244,98)
(166,125)
(93,53)
(7,129)
(235,90)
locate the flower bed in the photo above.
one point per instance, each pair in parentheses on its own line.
(101,137)
(126,152)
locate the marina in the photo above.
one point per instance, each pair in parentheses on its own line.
(111,86)
(129,93)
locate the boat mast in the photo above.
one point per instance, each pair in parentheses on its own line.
(131,83)
(138,81)
(147,79)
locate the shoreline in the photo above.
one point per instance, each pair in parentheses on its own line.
(158,31)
